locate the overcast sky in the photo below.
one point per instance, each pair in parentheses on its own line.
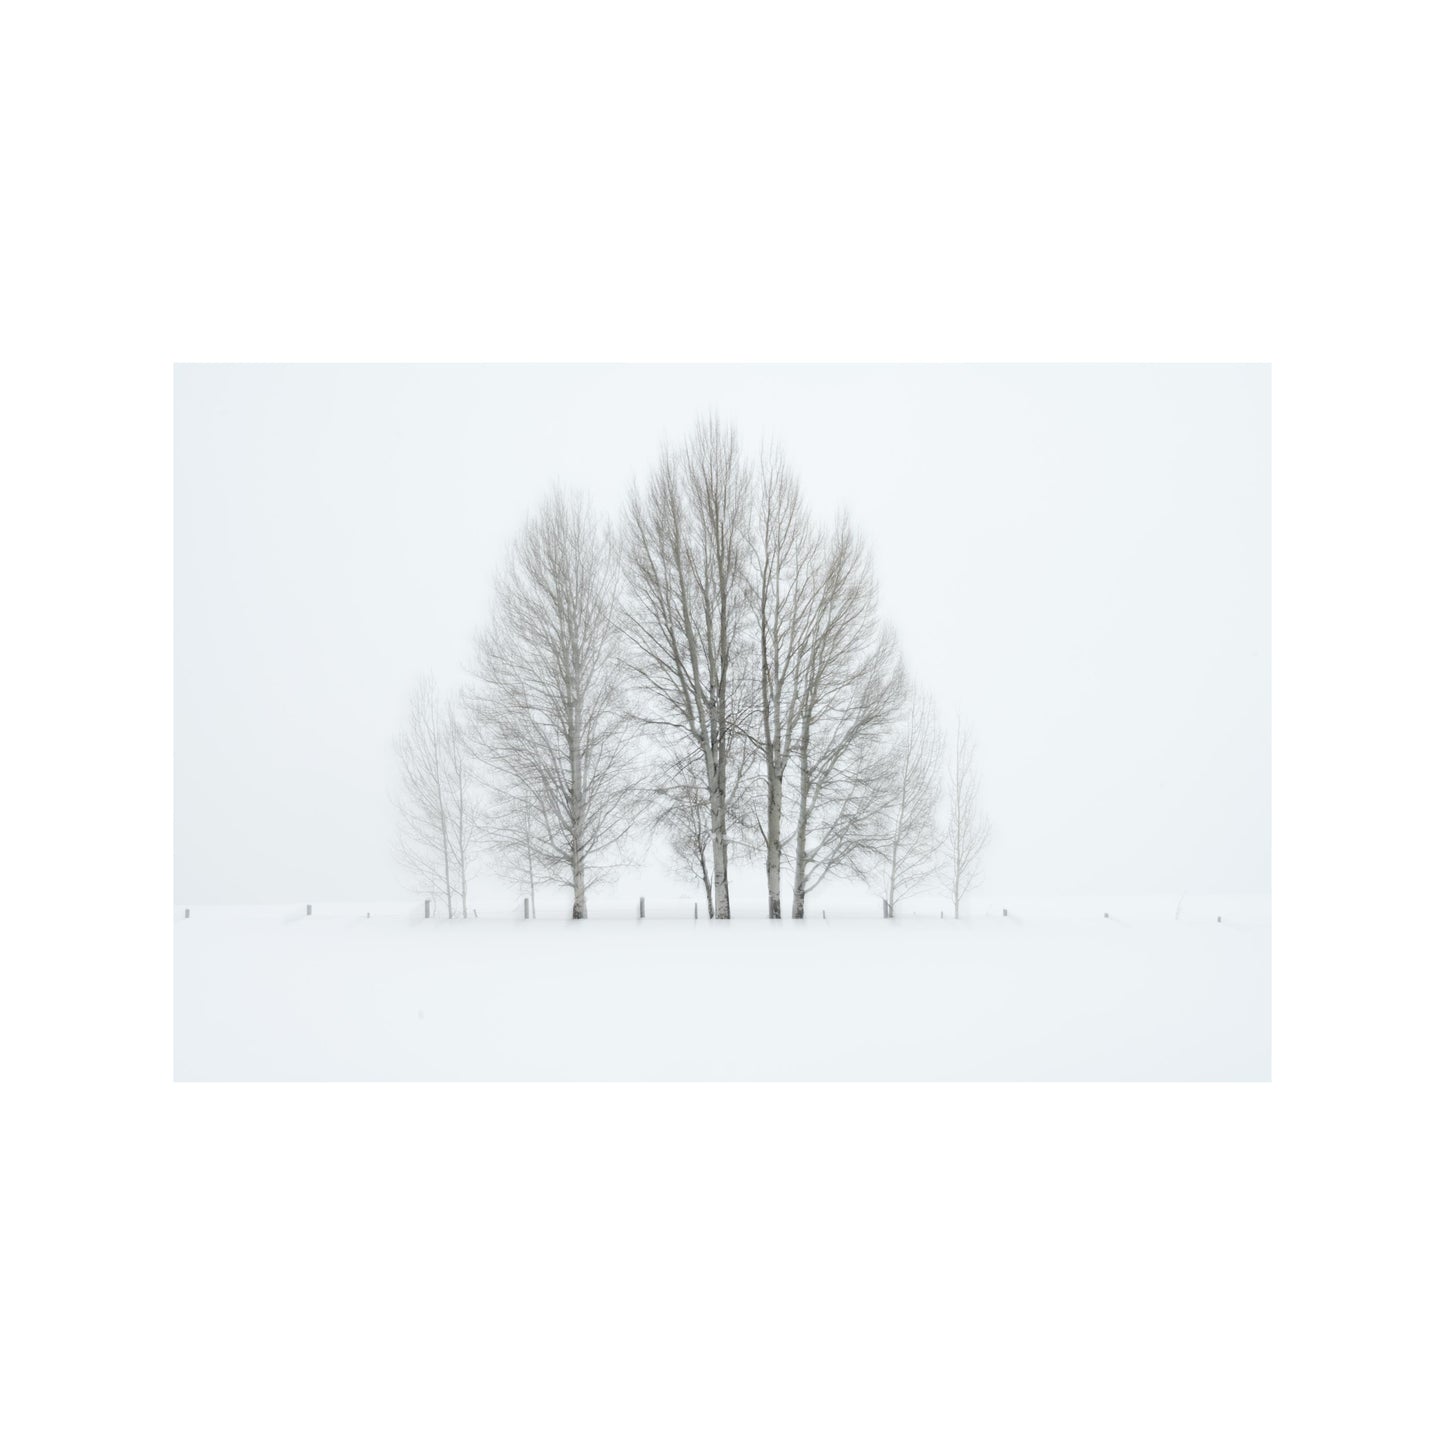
(1076,559)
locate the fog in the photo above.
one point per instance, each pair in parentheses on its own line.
(1076,559)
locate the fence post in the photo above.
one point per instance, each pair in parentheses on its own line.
(426,908)
(642,908)
(694,910)
(526,908)
(1005,913)
(188,913)
(308,910)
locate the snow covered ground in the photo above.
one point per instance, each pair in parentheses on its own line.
(1052,991)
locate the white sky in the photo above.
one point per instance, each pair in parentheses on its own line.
(1076,558)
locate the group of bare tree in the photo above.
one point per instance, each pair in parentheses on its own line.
(713,669)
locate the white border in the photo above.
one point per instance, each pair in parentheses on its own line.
(785,182)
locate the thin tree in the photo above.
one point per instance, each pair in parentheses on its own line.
(685,541)
(910,858)
(785,590)
(851,684)
(553,721)
(968,829)
(425,843)
(461,784)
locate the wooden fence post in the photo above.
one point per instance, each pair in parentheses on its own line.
(426,908)
(308,910)
(642,908)
(526,908)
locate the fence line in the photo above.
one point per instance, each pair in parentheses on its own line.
(1063,910)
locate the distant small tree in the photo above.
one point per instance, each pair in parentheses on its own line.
(968,830)
(461,781)
(910,857)
(440,826)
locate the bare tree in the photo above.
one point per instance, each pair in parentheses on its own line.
(685,541)
(785,589)
(910,858)
(552,715)
(461,785)
(426,844)
(850,685)
(968,830)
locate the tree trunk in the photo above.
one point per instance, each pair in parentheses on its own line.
(799,867)
(579,866)
(720,876)
(893,867)
(579,885)
(775,847)
(702,870)
(720,853)
(800,851)
(447,861)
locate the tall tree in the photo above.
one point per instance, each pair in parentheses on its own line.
(850,686)
(553,720)
(968,829)
(784,593)
(685,540)
(910,856)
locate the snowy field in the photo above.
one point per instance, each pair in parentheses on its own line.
(1053,991)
